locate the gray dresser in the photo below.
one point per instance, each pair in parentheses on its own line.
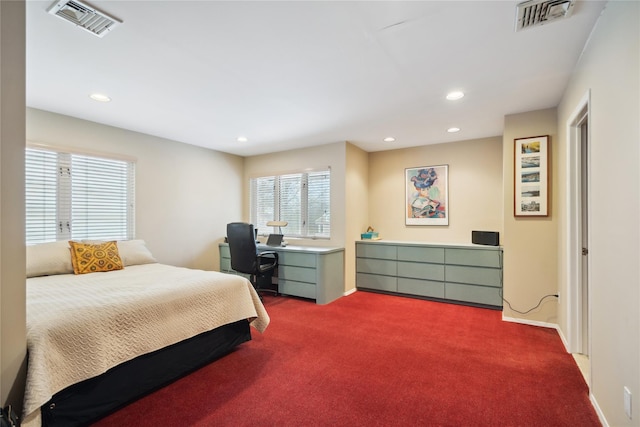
(308,272)
(470,274)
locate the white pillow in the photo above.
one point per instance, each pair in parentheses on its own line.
(134,252)
(46,259)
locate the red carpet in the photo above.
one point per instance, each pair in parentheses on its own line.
(378,360)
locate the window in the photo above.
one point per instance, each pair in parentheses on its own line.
(73,196)
(301,199)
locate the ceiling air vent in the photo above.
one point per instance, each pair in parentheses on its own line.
(84,16)
(533,13)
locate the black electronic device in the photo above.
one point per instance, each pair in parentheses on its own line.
(491,238)
(275,240)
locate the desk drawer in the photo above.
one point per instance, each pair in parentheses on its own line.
(308,272)
(299,289)
(296,259)
(298,274)
(224,252)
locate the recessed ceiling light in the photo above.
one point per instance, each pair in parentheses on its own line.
(389,139)
(453,130)
(242,139)
(99,97)
(452,96)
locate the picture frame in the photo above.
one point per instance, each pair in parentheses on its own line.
(531,177)
(427,195)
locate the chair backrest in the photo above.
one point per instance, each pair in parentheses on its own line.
(242,246)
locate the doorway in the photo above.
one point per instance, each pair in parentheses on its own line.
(578,306)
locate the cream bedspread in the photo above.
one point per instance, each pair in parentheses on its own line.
(80,326)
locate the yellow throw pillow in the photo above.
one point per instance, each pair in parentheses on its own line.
(91,258)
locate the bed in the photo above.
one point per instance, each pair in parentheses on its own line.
(100,340)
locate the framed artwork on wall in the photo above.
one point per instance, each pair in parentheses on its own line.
(427,195)
(531,176)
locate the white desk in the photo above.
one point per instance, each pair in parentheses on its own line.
(304,271)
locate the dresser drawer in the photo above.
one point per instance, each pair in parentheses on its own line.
(473,294)
(373,250)
(418,270)
(372,281)
(376,266)
(468,274)
(421,254)
(473,275)
(425,288)
(482,258)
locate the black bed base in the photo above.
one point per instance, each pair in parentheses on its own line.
(92,399)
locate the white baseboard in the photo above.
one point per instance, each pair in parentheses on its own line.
(530,322)
(555,326)
(595,405)
(542,324)
(563,338)
(349,292)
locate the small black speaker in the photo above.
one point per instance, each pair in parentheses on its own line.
(491,238)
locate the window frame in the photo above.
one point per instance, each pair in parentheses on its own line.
(303,208)
(64,194)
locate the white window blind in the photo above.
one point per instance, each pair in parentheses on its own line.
(301,199)
(73,196)
(41,195)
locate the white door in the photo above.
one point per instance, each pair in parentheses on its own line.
(584,235)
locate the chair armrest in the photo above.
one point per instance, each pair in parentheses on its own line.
(270,256)
(267,261)
(268,253)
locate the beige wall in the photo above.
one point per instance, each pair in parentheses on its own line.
(12,248)
(475,190)
(185,195)
(530,244)
(356,208)
(609,68)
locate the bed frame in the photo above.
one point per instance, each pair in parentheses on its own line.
(92,399)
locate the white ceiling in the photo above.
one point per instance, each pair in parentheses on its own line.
(301,73)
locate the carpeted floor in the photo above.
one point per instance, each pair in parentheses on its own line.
(378,360)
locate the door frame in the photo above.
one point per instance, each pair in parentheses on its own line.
(573,299)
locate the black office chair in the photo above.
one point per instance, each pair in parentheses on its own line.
(246,259)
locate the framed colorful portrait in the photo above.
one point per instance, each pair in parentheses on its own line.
(531,176)
(427,195)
